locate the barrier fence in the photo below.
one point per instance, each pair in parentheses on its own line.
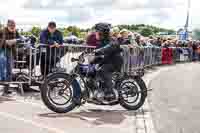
(27,64)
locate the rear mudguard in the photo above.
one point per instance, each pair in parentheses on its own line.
(140,82)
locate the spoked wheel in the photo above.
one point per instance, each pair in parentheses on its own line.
(133,93)
(57,93)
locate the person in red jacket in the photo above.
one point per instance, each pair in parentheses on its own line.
(93,39)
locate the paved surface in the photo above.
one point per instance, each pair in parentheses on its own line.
(175,100)
(28,114)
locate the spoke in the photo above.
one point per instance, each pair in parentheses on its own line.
(64,97)
(66,94)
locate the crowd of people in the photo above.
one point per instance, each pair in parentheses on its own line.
(125,37)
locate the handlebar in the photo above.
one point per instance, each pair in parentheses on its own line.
(80,58)
(74,60)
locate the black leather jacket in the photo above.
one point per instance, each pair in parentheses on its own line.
(112,55)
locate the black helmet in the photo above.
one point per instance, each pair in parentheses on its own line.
(103,27)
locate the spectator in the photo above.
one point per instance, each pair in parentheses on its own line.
(150,42)
(53,39)
(178,43)
(137,39)
(115,33)
(124,39)
(158,42)
(8,42)
(142,42)
(92,39)
(166,44)
(131,37)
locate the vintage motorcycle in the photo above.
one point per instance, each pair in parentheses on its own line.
(62,92)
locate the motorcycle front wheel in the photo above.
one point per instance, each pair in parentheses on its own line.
(133,93)
(57,93)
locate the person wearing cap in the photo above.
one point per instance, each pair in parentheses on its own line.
(124,39)
(52,38)
(8,37)
(112,60)
(115,33)
(124,32)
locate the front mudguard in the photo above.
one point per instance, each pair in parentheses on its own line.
(75,84)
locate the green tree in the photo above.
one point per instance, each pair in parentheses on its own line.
(35,31)
(75,30)
(146,32)
(83,35)
(134,28)
(28,33)
(65,32)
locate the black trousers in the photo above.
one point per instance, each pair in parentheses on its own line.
(48,63)
(105,74)
(50,58)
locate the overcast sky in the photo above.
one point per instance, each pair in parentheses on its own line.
(85,13)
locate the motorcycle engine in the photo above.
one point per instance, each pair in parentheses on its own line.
(99,94)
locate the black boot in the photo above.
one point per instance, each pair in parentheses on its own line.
(109,96)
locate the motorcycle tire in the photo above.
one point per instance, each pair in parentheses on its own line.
(46,99)
(143,92)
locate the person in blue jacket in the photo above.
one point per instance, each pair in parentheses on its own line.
(53,38)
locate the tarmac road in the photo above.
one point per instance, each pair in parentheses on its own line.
(175,100)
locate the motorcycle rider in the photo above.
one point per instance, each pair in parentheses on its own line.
(111,61)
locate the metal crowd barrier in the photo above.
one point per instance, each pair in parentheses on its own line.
(182,54)
(59,59)
(15,60)
(24,64)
